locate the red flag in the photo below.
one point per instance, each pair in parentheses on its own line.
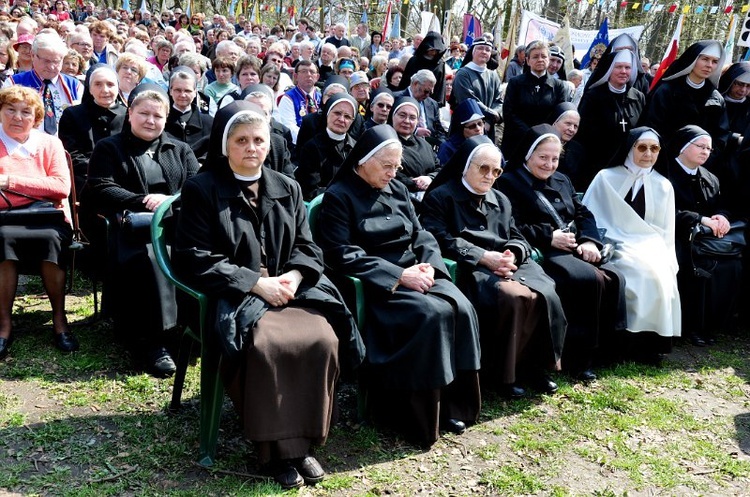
(387,23)
(670,54)
(672,8)
(624,3)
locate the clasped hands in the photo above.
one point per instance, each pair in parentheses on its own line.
(719,225)
(278,290)
(502,264)
(419,277)
(566,242)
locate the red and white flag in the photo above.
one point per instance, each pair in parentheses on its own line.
(387,25)
(670,54)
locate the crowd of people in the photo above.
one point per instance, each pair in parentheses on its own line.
(588,217)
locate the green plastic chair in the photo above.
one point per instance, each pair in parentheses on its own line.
(212,392)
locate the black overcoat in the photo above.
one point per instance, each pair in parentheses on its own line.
(319,161)
(414,341)
(418,159)
(528,101)
(195,133)
(217,250)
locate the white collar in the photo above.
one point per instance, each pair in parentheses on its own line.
(475,67)
(248,178)
(734,101)
(335,136)
(694,85)
(691,172)
(22,149)
(617,90)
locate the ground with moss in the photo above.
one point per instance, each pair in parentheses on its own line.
(91,423)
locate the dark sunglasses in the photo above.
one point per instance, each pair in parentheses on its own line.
(642,148)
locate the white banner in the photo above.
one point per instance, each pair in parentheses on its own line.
(534,27)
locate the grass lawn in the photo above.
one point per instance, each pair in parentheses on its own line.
(91,424)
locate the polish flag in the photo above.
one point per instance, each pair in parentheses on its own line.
(670,54)
(387,24)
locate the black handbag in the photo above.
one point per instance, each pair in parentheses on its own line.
(38,213)
(136,224)
(731,245)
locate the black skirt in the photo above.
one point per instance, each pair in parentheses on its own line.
(30,245)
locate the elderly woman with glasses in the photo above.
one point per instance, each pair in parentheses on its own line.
(130,69)
(636,206)
(421,333)
(551,218)
(521,321)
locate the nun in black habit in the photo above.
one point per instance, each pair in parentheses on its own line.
(321,157)
(428,55)
(419,164)
(687,94)
(708,296)
(566,120)
(421,333)
(467,121)
(627,42)
(550,216)
(611,106)
(521,320)
(734,86)
(280,325)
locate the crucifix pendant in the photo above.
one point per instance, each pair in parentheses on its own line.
(536,89)
(623,123)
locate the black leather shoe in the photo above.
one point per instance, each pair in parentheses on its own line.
(285,474)
(697,341)
(544,384)
(586,375)
(453,426)
(66,341)
(309,469)
(512,391)
(160,363)
(4,348)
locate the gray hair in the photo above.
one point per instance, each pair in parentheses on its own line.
(49,41)
(248,117)
(224,47)
(185,75)
(191,59)
(424,76)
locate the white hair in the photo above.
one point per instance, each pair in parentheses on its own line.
(49,41)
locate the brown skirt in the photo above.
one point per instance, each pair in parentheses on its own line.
(284,389)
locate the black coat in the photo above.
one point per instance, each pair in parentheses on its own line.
(81,127)
(674,104)
(279,157)
(466,231)
(601,131)
(319,161)
(312,124)
(414,341)
(532,217)
(528,101)
(195,133)
(217,249)
(594,303)
(418,159)
(571,164)
(143,301)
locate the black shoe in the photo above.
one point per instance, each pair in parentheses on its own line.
(160,363)
(511,391)
(453,425)
(544,384)
(697,341)
(285,474)
(586,375)
(309,469)
(66,341)
(4,348)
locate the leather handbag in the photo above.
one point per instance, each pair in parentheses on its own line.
(136,224)
(731,245)
(38,213)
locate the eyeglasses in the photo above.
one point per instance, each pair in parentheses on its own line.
(389,168)
(485,169)
(643,148)
(341,115)
(475,125)
(407,117)
(84,45)
(383,105)
(49,62)
(703,147)
(132,69)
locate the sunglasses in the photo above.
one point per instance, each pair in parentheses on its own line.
(485,169)
(643,148)
(476,125)
(381,105)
